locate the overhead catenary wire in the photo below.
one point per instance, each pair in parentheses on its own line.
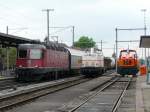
(60,29)
(64,28)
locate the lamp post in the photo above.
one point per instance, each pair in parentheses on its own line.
(147,74)
(144,12)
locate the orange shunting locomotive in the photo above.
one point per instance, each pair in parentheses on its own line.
(127,63)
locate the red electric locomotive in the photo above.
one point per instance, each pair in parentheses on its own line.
(37,61)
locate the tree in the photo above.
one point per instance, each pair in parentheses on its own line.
(12,56)
(85,42)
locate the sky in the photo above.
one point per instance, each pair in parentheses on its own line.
(94,18)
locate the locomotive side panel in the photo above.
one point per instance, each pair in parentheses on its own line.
(92,63)
(38,62)
(56,59)
(76,62)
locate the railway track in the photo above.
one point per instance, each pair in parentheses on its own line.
(106,98)
(7,83)
(11,83)
(118,102)
(14,98)
(19,97)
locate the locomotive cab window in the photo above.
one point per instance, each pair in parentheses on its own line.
(130,53)
(35,54)
(22,53)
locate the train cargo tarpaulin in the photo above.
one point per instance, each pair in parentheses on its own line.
(145,43)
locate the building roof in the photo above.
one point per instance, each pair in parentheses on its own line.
(145,42)
(11,40)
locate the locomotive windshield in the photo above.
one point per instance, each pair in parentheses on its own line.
(31,54)
(131,53)
(35,54)
(22,53)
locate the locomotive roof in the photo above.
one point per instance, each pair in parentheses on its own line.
(35,46)
(75,52)
(55,46)
(50,45)
(89,49)
(128,50)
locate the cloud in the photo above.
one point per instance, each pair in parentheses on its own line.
(94,18)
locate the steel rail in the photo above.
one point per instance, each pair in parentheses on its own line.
(106,86)
(10,83)
(24,96)
(117,104)
(6,83)
(7,79)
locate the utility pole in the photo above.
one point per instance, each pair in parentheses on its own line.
(48,10)
(101,45)
(101,42)
(7,30)
(73,36)
(7,52)
(116,49)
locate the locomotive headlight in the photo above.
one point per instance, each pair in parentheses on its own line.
(20,65)
(36,66)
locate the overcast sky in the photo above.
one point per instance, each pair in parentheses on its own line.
(94,18)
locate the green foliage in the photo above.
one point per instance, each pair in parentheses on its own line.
(85,42)
(12,56)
